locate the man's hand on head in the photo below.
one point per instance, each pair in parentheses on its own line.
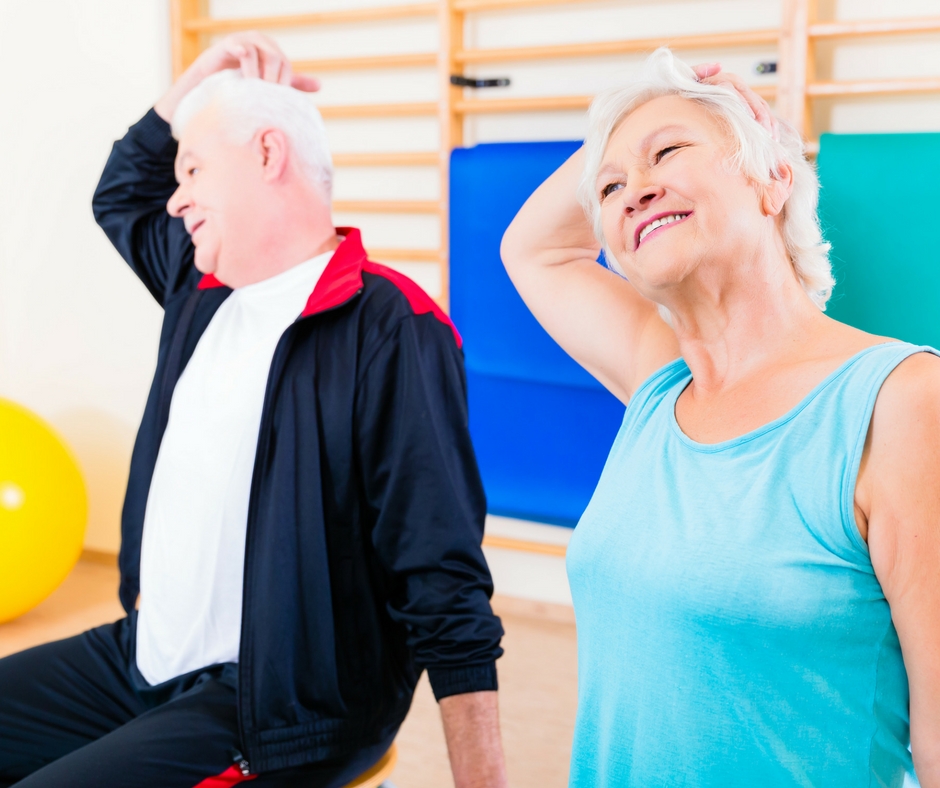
(256,54)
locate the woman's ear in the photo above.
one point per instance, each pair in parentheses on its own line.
(775,193)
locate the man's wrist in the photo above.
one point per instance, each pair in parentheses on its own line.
(447,681)
(169,101)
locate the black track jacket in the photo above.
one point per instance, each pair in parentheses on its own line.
(363,563)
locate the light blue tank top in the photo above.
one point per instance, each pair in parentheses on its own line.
(731,630)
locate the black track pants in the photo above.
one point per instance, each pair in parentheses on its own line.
(77,714)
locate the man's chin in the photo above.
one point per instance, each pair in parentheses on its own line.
(205,265)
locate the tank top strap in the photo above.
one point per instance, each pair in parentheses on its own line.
(647,399)
(844,404)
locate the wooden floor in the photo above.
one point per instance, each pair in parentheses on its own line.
(537,676)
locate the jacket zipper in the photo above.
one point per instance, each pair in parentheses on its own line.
(242,763)
(277,364)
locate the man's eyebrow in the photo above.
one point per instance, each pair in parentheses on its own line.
(181,160)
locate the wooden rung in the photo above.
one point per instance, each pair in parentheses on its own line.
(408,255)
(873,87)
(524,545)
(379,110)
(468,6)
(599,48)
(553,103)
(374,61)
(875,27)
(416,159)
(533,104)
(386,206)
(344,16)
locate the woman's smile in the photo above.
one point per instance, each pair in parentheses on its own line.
(654,224)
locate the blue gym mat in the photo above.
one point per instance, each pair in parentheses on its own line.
(541,425)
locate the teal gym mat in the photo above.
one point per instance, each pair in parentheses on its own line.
(877,202)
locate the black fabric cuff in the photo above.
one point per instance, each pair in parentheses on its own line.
(457,681)
(153,133)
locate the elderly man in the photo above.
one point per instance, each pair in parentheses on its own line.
(302,527)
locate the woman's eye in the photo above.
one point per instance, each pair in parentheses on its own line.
(664,151)
(610,188)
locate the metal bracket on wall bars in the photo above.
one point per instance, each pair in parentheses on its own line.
(466,82)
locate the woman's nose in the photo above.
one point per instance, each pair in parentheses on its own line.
(641,192)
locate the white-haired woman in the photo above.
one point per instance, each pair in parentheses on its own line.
(756,577)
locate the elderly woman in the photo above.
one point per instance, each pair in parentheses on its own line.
(757,577)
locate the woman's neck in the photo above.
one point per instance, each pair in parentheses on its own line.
(727,334)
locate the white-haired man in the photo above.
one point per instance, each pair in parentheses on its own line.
(301,532)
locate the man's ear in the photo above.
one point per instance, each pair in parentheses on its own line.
(775,193)
(271,146)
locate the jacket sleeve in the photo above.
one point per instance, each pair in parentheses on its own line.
(130,206)
(422,482)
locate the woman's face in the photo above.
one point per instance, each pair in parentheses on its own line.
(670,204)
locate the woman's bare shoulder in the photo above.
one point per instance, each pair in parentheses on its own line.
(915,383)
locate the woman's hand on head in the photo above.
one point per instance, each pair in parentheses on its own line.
(712,74)
(257,55)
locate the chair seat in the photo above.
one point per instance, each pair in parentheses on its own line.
(375,776)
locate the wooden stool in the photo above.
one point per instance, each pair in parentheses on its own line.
(377,774)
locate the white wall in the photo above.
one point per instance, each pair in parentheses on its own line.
(78,333)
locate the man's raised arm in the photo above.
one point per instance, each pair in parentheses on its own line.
(130,201)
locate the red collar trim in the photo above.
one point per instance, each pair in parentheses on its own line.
(342,277)
(340,281)
(209,281)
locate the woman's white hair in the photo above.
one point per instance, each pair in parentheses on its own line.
(249,105)
(754,153)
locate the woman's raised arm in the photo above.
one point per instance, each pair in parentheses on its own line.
(600,320)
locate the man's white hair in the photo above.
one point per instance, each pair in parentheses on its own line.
(248,105)
(754,153)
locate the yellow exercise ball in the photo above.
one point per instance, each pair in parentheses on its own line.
(43,510)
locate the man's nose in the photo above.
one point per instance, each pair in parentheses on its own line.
(641,192)
(178,203)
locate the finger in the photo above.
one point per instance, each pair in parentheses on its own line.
(703,70)
(271,65)
(236,51)
(271,60)
(249,62)
(286,74)
(305,82)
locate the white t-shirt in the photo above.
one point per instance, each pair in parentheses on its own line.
(193,550)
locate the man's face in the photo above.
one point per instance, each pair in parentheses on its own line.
(219,182)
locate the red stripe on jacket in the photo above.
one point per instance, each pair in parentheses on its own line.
(231,776)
